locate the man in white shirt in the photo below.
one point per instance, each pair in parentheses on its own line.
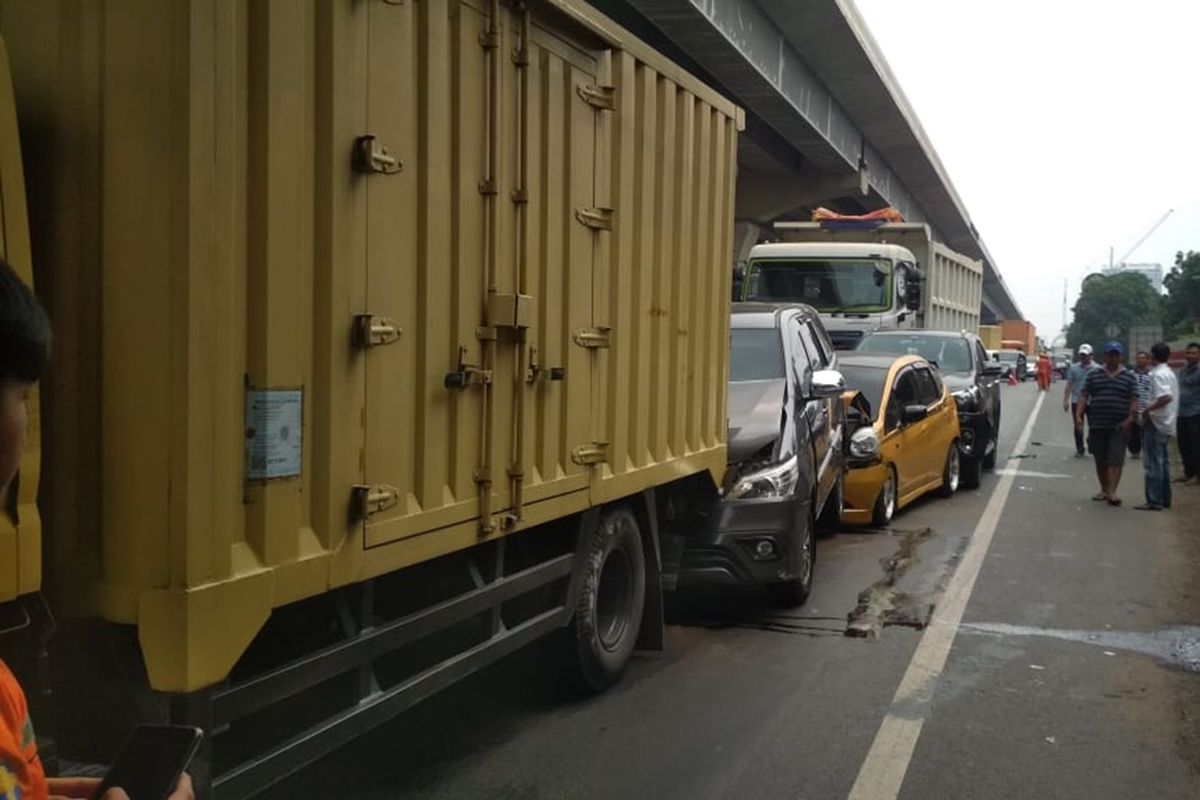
(1158,426)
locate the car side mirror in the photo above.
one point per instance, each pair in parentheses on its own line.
(827,383)
(913,413)
(912,288)
(993,369)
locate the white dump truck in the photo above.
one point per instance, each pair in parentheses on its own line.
(863,279)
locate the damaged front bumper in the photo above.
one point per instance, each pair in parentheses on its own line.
(744,542)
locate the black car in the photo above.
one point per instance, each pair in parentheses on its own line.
(786,424)
(973,379)
(1013,361)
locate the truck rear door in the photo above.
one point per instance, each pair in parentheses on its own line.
(479,268)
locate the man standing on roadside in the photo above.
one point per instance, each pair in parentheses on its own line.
(1076,374)
(1189,415)
(1158,426)
(1109,399)
(1141,371)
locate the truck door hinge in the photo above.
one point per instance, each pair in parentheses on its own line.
(590,453)
(370,500)
(591,337)
(598,219)
(371,156)
(372,331)
(598,95)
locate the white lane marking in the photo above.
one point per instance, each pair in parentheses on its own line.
(1024,473)
(883,770)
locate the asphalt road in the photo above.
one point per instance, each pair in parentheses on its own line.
(1063,661)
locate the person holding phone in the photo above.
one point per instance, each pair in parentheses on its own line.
(24,354)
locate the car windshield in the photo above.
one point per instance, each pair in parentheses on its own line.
(868,380)
(828,285)
(950,353)
(756,355)
(1009,357)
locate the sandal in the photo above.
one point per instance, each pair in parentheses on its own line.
(1100,496)
(1114,501)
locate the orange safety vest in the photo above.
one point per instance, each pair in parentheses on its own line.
(21,774)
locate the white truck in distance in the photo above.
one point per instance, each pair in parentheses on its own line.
(864,279)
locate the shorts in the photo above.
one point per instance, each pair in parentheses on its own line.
(1108,446)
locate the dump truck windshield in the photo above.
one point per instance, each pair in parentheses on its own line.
(828,285)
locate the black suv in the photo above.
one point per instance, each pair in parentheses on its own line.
(971,377)
(786,428)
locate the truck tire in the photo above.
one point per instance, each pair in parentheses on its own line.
(951,472)
(608,611)
(885,501)
(793,593)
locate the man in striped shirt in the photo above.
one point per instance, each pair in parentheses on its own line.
(1141,371)
(1109,399)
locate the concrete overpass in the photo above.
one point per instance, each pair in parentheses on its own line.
(827,123)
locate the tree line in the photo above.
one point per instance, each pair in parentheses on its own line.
(1124,300)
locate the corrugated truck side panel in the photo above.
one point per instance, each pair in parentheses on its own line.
(516,305)
(954,288)
(990,335)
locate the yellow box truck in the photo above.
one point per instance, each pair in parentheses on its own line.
(381,328)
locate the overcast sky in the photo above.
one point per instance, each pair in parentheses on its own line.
(1066,126)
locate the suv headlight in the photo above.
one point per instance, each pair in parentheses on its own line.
(778,480)
(967,398)
(864,443)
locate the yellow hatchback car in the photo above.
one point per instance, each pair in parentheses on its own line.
(906,443)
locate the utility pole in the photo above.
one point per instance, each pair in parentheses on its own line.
(1064,317)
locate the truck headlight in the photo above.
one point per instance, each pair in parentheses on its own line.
(778,480)
(967,399)
(864,443)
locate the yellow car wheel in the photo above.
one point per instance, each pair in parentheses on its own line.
(951,472)
(885,503)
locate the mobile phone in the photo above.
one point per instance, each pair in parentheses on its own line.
(151,762)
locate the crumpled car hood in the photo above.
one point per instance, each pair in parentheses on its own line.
(755,416)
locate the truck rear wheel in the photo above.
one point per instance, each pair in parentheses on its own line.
(608,612)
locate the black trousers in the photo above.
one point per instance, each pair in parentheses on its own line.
(1135,439)
(1188,431)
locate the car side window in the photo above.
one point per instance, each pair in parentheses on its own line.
(981,356)
(904,393)
(929,387)
(819,361)
(803,351)
(824,348)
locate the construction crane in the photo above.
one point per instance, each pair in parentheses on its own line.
(1141,241)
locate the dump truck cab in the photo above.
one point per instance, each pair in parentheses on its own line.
(857,288)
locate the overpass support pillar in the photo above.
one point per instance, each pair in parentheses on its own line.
(745,235)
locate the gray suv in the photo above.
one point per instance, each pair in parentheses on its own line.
(786,426)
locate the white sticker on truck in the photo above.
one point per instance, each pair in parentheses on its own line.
(274,441)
